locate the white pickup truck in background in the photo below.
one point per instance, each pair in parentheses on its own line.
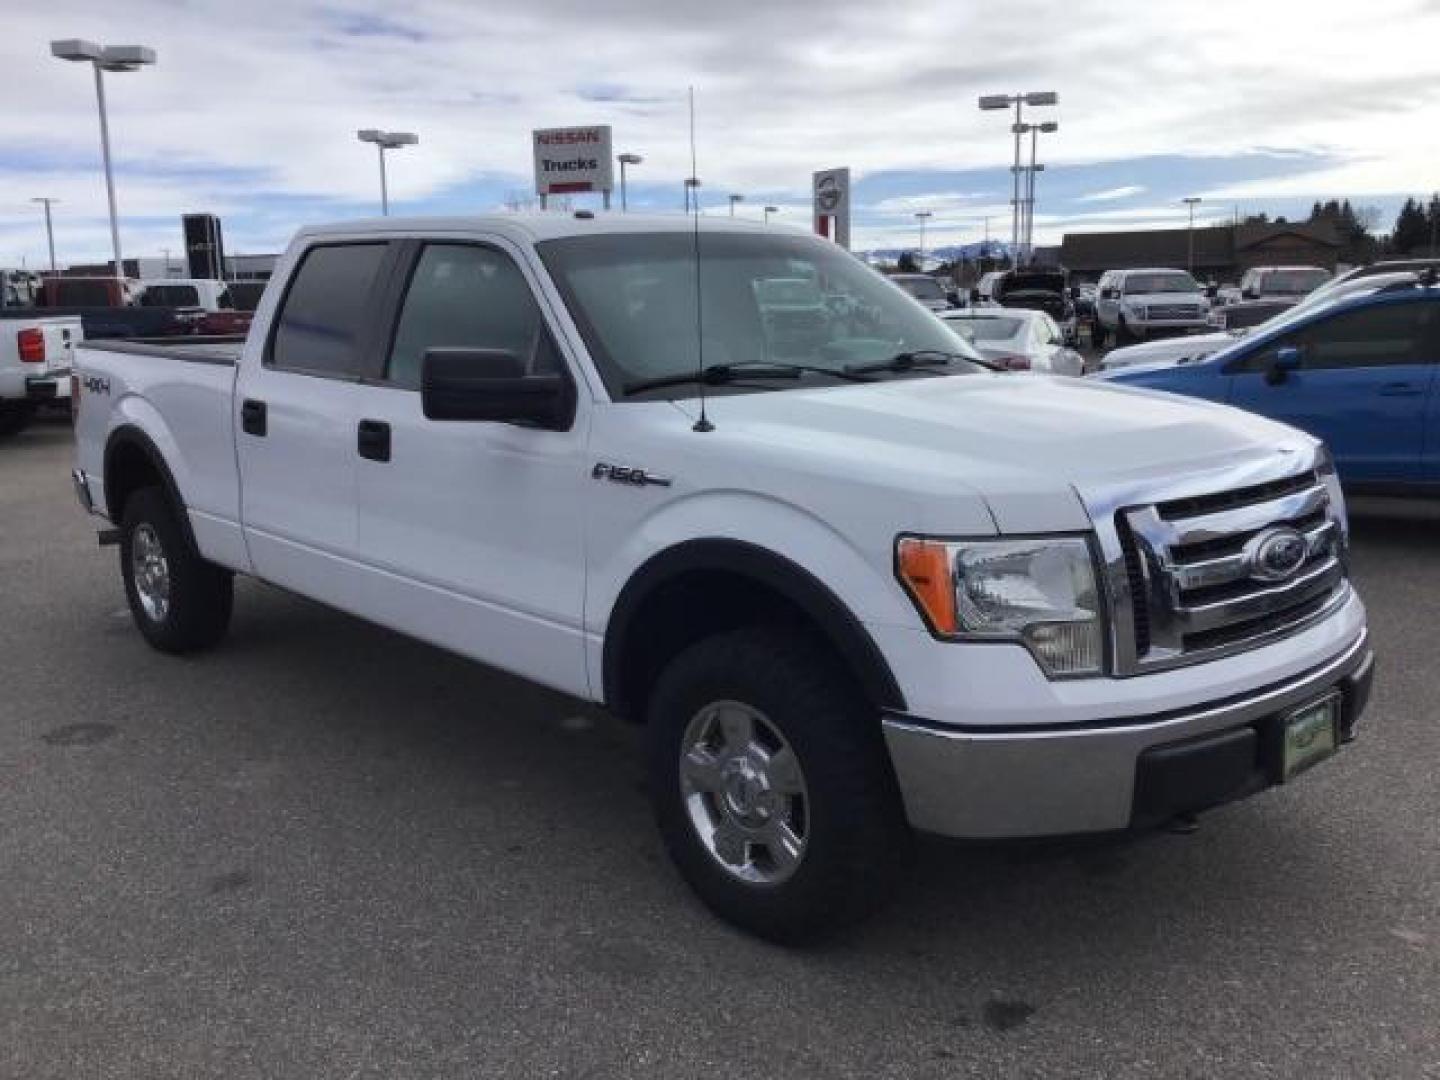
(852,582)
(36,353)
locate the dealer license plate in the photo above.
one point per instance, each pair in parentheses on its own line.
(1311,735)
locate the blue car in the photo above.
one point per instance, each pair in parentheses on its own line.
(1358,373)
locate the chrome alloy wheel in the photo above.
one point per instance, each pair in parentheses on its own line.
(151,572)
(745,793)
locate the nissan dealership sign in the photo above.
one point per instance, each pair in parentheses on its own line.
(573,159)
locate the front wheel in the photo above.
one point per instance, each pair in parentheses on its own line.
(179,602)
(772,787)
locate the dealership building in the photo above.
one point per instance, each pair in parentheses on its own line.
(1221,252)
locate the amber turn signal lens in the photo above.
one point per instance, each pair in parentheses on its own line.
(924,568)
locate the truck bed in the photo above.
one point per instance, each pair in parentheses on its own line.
(179,392)
(194,349)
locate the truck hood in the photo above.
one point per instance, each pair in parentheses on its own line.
(1165,298)
(1031,447)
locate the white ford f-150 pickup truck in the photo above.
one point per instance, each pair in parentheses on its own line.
(36,352)
(852,582)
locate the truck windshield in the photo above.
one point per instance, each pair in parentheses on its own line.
(1170,282)
(633,297)
(1292,282)
(170,296)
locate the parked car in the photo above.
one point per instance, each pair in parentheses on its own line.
(35,361)
(1187,350)
(206,304)
(1291,282)
(1135,304)
(795,312)
(1018,339)
(984,290)
(869,589)
(925,289)
(1040,289)
(1357,372)
(1244,314)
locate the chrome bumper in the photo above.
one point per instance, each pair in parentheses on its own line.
(985,784)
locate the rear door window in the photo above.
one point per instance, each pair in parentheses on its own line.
(322,325)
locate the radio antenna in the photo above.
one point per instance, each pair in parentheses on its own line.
(703,424)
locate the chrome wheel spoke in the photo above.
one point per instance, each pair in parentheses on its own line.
(783,770)
(731,845)
(737,729)
(783,846)
(701,770)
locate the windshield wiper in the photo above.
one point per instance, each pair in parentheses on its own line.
(920,358)
(721,374)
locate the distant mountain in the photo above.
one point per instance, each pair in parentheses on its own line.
(993,249)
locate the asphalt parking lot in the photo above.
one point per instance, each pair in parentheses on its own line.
(324,850)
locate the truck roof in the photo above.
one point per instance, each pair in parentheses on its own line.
(545,225)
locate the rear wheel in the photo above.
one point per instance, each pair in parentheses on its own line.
(179,602)
(15,416)
(772,787)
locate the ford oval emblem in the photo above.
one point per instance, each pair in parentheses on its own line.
(1276,554)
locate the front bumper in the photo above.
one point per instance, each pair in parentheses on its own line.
(1107,776)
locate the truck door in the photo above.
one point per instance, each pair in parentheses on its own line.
(295,408)
(1359,379)
(471,531)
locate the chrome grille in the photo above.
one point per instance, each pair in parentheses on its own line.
(1191,586)
(1172,311)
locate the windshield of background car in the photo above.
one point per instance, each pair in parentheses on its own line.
(633,297)
(1293,282)
(1175,282)
(921,288)
(1013,283)
(991,329)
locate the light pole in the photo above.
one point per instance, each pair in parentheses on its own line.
(922,216)
(770,210)
(49,231)
(1190,201)
(733,200)
(386,140)
(1048,127)
(102,59)
(626,159)
(991,102)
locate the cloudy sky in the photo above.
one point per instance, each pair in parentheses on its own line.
(252,109)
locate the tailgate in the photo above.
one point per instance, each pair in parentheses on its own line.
(61,336)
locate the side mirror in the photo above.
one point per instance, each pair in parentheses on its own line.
(975,295)
(1251,293)
(1287,359)
(1074,292)
(1212,291)
(491,384)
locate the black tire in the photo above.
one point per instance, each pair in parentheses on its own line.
(199,593)
(15,417)
(857,840)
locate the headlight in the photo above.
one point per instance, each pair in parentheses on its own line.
(1137,310)
(1325,466)
(1041,593)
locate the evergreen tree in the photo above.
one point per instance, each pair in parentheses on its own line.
(1412,228)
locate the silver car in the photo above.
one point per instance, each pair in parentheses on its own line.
(1017,339)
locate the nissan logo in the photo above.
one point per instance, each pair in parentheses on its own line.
(1276,554)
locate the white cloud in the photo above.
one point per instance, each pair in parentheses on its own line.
(275,91)
(1112,194)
